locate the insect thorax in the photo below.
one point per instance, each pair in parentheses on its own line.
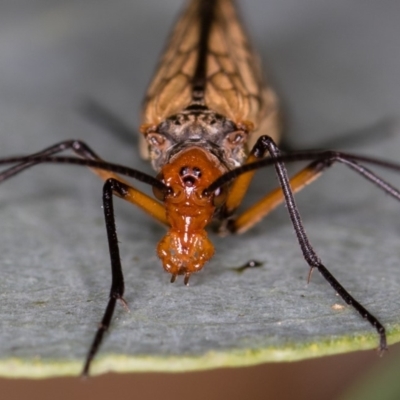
(197,126)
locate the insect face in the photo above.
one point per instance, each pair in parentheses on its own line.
(185,249)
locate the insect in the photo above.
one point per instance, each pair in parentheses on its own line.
(209,122)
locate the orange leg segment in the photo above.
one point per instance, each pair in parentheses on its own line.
(264,206)
(146,203)
(131,194)
(239,188)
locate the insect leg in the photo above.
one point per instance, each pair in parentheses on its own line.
(273,199)
(140,199)
(79,147)
(306,176)
(262,208)
(111,187)
(303,178)
(239,189)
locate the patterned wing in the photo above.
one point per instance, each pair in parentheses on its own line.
(233,84)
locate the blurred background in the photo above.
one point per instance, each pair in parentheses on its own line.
(336,65)
(324,378)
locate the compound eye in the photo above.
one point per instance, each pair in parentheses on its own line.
(155,139)
(220,197)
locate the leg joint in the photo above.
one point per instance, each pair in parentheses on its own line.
(263,144)
(116,186)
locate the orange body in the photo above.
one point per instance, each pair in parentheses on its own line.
(186,248)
